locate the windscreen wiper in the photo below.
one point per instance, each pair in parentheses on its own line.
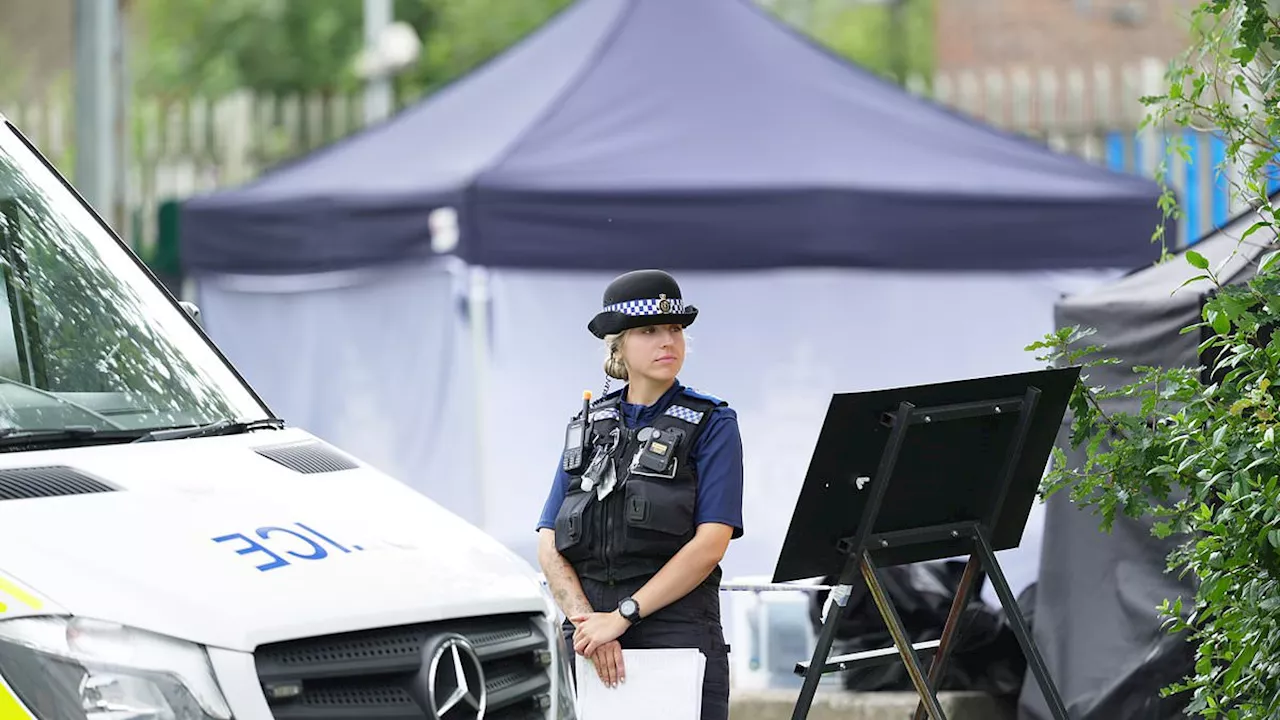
(20,436)
(219,427)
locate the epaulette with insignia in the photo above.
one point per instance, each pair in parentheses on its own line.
(705,396)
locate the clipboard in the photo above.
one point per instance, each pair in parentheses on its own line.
(660,683)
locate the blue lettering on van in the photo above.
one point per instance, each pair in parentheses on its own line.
(318,554)
(302,544)
(253,547)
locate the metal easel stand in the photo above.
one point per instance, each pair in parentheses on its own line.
(931,540)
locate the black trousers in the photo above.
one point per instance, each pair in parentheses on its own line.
(693,621)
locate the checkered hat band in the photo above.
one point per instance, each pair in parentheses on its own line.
(647,306)
(684,413)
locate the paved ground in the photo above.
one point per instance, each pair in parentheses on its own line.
(778,705)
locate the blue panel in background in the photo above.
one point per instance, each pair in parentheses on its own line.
(1221,191)
(1191,190)
(1203,193)
(1115,152)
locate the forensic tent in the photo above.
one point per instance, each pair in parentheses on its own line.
(699,133)
(1102,641)
(419,292)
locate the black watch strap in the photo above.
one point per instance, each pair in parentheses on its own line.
(629,609)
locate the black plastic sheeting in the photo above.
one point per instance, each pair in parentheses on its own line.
(985,658)
(1104,642)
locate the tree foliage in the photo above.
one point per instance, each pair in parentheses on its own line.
(869,33)
(213,47)
(1200,457)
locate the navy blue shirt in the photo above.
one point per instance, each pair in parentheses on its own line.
(717,455)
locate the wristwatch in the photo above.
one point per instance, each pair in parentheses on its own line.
(629,609)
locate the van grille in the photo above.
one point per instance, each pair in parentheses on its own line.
(307,457)
(49,481)
(382,673)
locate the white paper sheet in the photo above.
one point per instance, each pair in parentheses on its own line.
(664,683)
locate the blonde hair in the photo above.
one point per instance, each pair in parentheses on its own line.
(613,365)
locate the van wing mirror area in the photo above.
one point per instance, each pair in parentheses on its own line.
(192,310)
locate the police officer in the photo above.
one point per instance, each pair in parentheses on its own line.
(634,528)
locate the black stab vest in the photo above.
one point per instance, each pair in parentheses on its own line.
(646,519)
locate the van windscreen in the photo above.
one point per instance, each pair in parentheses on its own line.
(87,338)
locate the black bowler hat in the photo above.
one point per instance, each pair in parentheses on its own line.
(639,298)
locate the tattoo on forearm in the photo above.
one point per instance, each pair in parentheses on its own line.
(565,588)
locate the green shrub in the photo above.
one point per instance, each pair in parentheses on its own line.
(1201,459)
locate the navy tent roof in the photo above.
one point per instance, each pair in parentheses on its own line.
(685,134)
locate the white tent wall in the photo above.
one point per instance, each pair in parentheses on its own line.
(376,362)
(383,363)
(775,345)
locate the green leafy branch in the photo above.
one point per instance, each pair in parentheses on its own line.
(1193,450)
(1201,461)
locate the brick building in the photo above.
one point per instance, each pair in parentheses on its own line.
(992,34)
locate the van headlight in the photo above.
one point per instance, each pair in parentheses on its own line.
(566,696)
(77,668)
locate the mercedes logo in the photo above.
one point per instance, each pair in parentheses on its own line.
(455,681)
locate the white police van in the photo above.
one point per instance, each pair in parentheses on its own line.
(168,551)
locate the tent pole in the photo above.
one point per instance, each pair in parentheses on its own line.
(96,97)
(377,90)
(478,302)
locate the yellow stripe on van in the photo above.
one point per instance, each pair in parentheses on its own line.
(11,708)
(22,596)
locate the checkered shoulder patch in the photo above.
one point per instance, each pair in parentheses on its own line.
(608,413)
(683,413)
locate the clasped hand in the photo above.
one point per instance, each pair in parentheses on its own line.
(595,636)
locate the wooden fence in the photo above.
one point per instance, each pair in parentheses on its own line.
(1095,112)
(182,147)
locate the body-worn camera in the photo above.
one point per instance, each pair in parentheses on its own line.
(658,451)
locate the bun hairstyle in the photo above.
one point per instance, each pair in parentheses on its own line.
(613,365)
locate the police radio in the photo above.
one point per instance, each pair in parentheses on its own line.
(575,439)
